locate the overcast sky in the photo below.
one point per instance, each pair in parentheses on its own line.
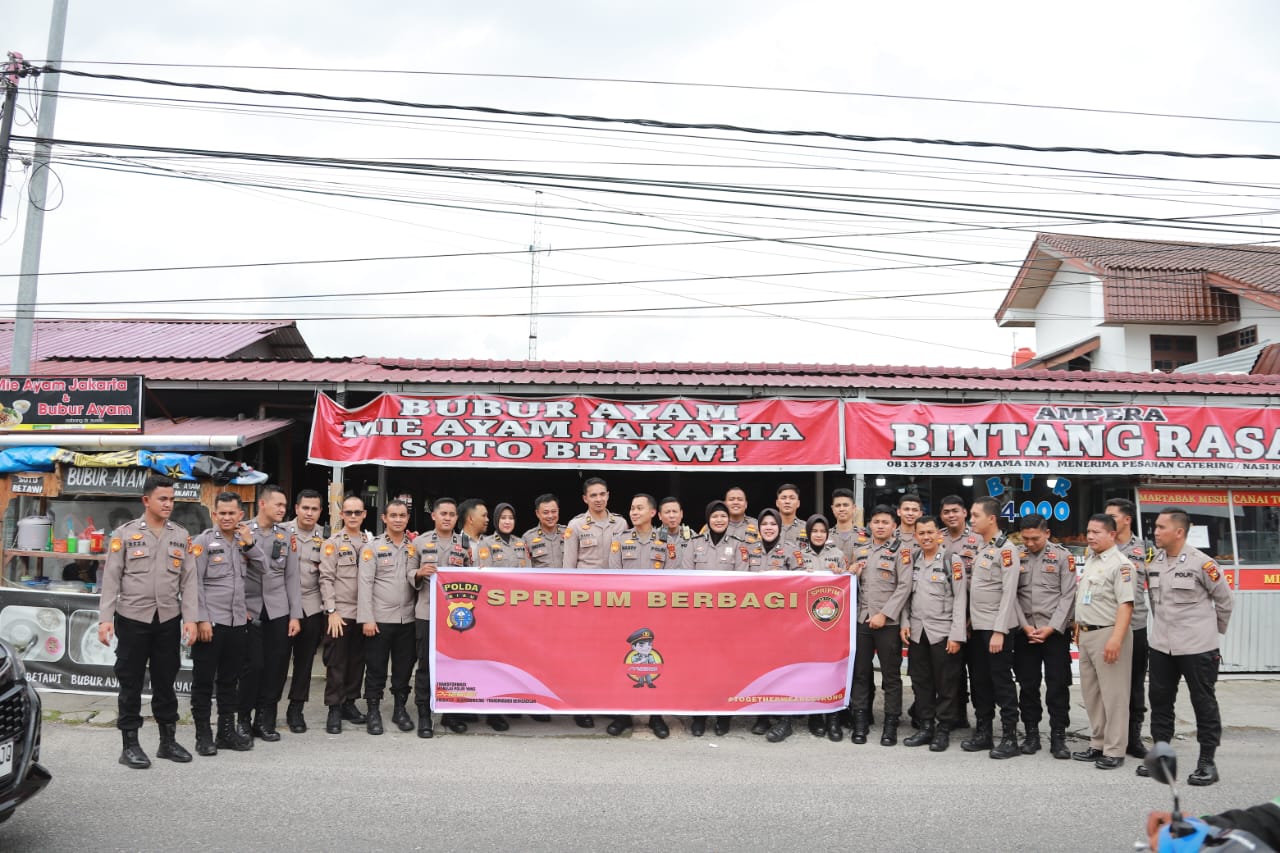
(878,275)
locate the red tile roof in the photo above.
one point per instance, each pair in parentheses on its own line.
(132,338)
(1145,281)
(684,377)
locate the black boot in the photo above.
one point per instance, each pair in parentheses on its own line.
(132,755)
(1206,772)
(400,715)
(497,722)
(264,724)
(861,726)
(229,736)
(169,746)
(761,725)
(454,723)
(1136,747)
(818,725)
(941,738)
(1031,743)
(619,724)
(835,733)
(923,736)
(1058,743)
(658,726)
(889,732)
(293,716)
(333,725)
(981,738)
(373,716)
(722,726)
(585,721)
(698,726)
(1008,745)
(352,713)
(779,731)
(204,737)
(426,728)
(244,725)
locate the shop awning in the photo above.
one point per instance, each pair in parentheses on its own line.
(188,434)
(1062,356)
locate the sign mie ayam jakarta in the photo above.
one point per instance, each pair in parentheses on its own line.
(765,434)
(70,403)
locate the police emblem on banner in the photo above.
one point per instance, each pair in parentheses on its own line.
(461,597)
(826,606)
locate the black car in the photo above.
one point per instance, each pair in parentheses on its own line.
(21,776)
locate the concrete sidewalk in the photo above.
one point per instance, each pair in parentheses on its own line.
(1248,703)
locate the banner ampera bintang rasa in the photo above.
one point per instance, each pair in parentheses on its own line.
(1060,438)
(673,642)
(677,433)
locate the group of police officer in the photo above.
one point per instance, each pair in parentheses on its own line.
(248,597)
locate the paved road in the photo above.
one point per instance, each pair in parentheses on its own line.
(564,791)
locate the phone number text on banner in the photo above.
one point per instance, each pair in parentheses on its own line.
(581,642)
(393,429)
(1087,439)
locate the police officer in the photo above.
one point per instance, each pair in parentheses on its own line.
(909,511)
(149,600)
(310,537)
(993,601)
(846,535)
(589,535)
(384,609)
(934,624)
(440,547)
(502,549)
(273,594)
(1132,546)
(343,640)
(1191,605)
(473,514)
(545,543)
(741,525)
(635,549)
(820,554)
(674,532)
(787,500)
(883,567)
(1104,608)
(1046,602)
(957,538)
(221,560)
(770,554)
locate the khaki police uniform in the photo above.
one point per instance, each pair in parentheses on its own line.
(221,564)
(451,553)
(587,541)
(677,542)
(545,549)
(848,541)
(343,656)
(935,614)
(304,646)
(1046,599)
(966,545)
(273,595)
(748,529)
(1138,552)
(1191,605)
(794,533)
(775,559)
(149,589)
(993,608)
(884,586)
(1105,587)
(495,552)
(730,554)
(385,597)
(829,559)
(631,550)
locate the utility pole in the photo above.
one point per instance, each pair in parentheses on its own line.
(14,71)
(33,235)
(534,250)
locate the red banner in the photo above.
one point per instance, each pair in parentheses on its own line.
(1065,438)
(764,435)
(624,642)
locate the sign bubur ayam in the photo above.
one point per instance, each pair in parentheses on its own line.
(766,434)
(70,404)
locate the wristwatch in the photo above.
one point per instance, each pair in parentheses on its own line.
(331,610)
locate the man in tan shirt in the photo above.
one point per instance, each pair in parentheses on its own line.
(343,639)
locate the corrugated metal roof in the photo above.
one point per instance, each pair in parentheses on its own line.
(125,338)
(250,429)
(774,378)
(1240,361)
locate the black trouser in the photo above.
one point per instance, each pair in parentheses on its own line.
(343,664)
(266,655)
(1137,695)
(1201,674)
(992,677)
(885,643)
(935,680)
(304,655)
(1053,658)
(422,686)
(396,641)
(220,661)
(140,643)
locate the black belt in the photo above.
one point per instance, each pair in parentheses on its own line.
(1094,627)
